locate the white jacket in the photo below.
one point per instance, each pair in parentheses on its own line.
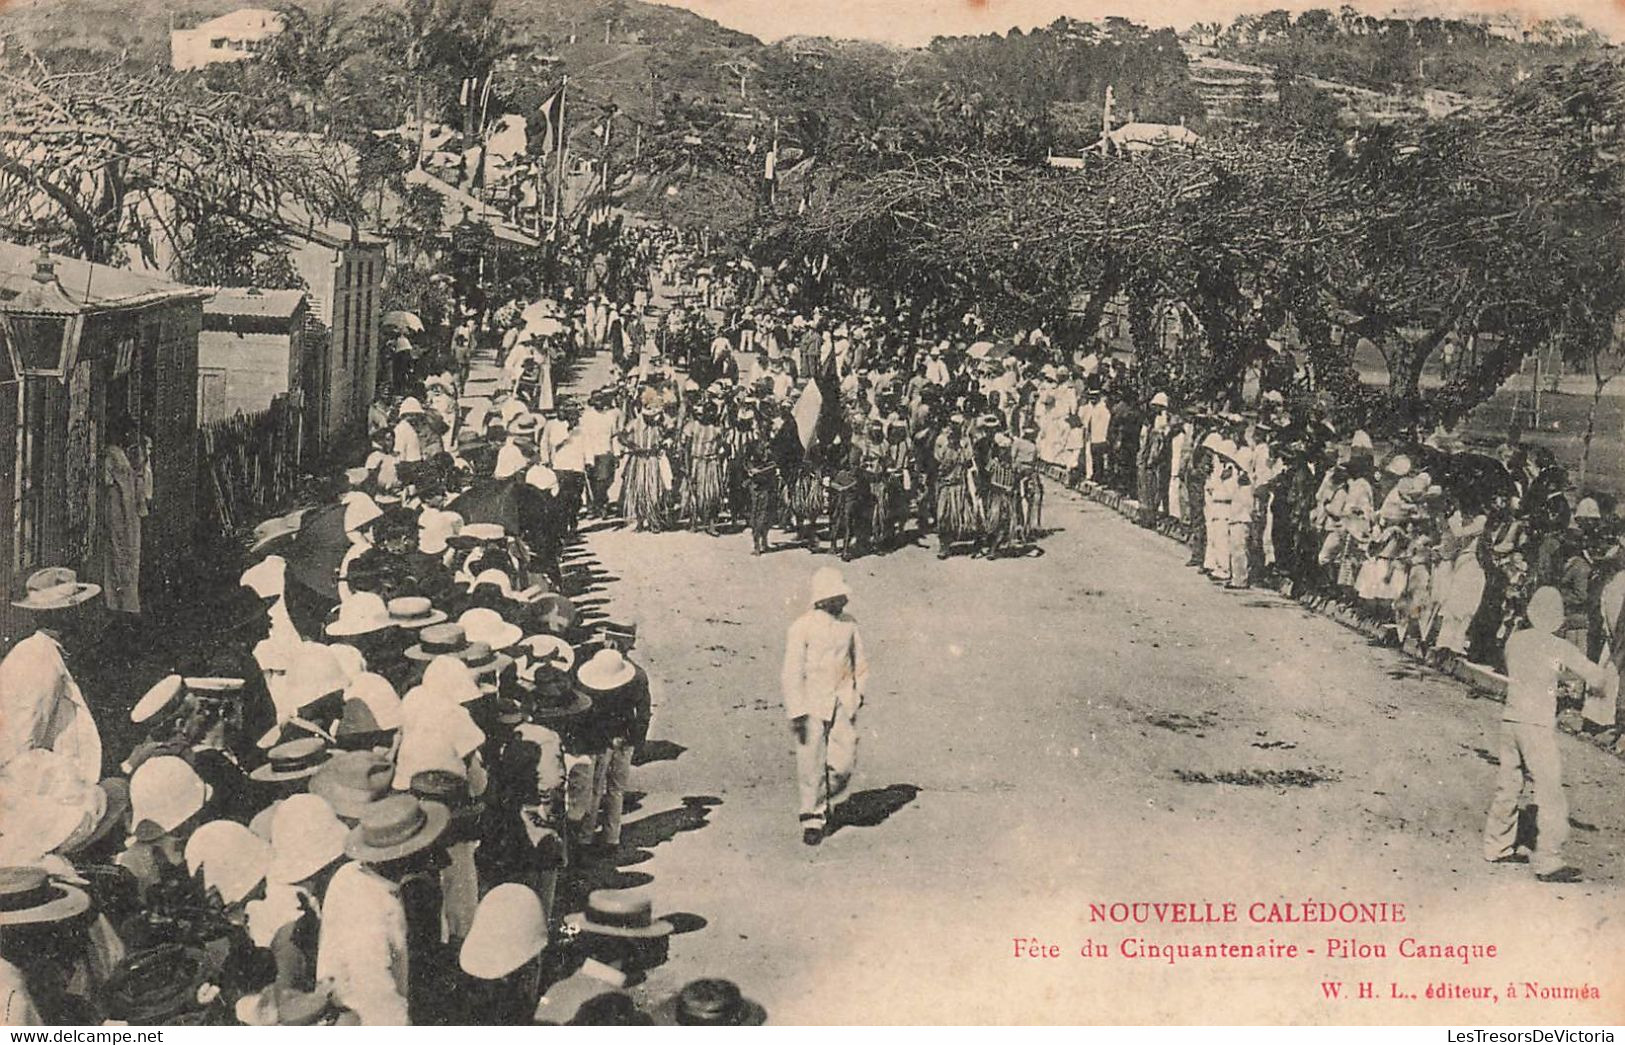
(41,707)
(363,946)
(825,668)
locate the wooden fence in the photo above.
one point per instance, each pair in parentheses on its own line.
(248,466)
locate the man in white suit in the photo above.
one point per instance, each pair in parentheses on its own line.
(825,670)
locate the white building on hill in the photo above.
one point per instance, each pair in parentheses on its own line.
(233,37)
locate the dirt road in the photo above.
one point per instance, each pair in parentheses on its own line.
(1046,734)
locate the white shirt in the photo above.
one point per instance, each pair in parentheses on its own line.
(41,707)
(407,447)
(824,666)
(362,948)
(596,432)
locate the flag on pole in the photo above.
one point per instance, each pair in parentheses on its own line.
(553,114)
(466,91)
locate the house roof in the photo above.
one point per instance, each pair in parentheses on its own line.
(251,301)
(1146,135)
(243,20)
(79,286)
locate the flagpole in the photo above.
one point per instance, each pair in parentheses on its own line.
(558,187)
(609,123)
(773,158)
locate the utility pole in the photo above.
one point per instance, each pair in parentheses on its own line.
(564,137)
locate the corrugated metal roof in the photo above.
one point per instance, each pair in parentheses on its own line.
(247,301)
(80,286)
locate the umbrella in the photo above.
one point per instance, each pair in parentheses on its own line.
(490,501)
(398,320)
(1476,479)
(314,554)
(276,530)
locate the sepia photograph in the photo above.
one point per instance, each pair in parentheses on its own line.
(812,513)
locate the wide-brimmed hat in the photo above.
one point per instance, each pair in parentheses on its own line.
(710,1003)
(619,912)
(306,836)
(165,791)
(510,929)
(55,588)
(486,625)
(156,985)
(162,699)
(396,826)
(279,1006)
(294,760)
(481,659)
(557,614)
(537,651)
(608,670)
(362,613)
(353,780)
(439,640)
(231,858)
(827,583)
(112,814)
(554,695)
(30,896)
(414,611)
(371,705)
(448,678)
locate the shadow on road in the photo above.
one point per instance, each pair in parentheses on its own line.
(657,828)
(657,751)
(873,807)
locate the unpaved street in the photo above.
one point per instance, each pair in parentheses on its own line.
(1043,733)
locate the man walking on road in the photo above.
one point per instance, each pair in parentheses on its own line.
(1536,657)
(824,674)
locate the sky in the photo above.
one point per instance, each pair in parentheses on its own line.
(914,22)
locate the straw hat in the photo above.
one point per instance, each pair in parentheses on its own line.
(510,928)
(29,896)
(164,697)
(710,1003)
(625,913)
(166,791)
(363,613)
(114,813)
(352,780)
(481,659)
(267,577)
(482,531)
(409,406)
(306,836)
(155,986)
(827,583)
(556,613)
(293,760)
(608,670)
(55,588)
(278,1006)
(487,626)
(414,611)
(395,827)
(537,651)
(439,640)
(231,858)
(360,511)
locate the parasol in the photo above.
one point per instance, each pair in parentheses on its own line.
(399,320)
(490,501)
(315,552)
(546,326)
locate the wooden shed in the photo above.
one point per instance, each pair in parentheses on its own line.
(86,346)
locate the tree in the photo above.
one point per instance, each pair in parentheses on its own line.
(94,163)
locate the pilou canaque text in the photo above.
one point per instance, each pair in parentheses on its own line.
(1410,947)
